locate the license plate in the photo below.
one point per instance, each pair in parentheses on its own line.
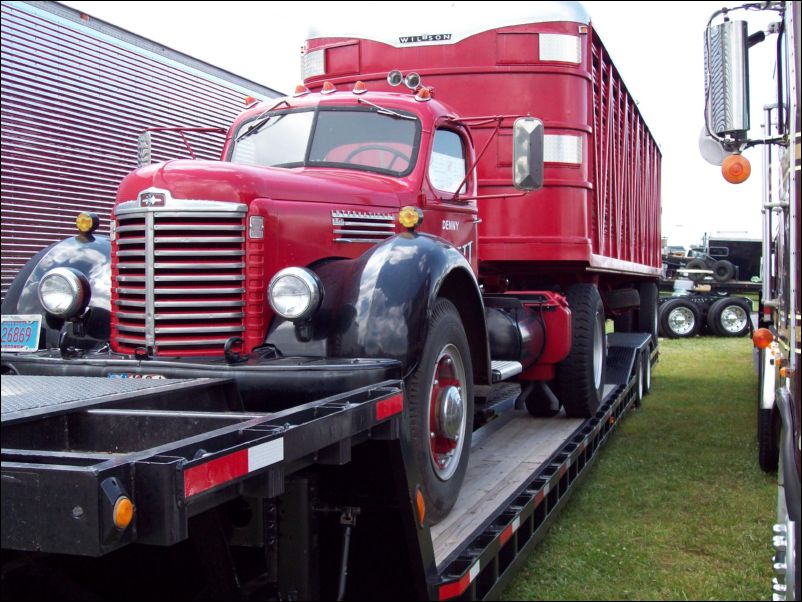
(21,333)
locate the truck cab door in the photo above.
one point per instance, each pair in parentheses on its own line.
(448,217)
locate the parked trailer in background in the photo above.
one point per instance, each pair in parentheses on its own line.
(778,340)
(76,93)
(378,276)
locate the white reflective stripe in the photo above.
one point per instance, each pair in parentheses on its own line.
(560,47)
(562,148)
(313,63)
(265,454)
(516,524)
(474,572)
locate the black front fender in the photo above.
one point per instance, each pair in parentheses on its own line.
(88,255)
(380,304)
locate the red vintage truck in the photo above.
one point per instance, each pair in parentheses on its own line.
(453,211)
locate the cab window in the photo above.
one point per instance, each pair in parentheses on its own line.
(447,164)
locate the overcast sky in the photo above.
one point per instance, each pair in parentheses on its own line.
(657,47)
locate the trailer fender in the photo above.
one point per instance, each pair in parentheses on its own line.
(90,255)
(380,304)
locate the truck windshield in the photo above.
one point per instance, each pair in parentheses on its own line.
(363,139)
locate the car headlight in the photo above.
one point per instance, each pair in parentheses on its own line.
(64,292)
(295,293)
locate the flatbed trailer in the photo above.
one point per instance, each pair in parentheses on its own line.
(733,287)
(317,501)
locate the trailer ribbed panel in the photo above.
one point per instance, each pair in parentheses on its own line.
(626,162)
(74,101)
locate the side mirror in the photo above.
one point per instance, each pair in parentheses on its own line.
(143,150)
(727,81)
(527,153)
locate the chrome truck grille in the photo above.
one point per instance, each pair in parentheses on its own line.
(178,274)
(353,226)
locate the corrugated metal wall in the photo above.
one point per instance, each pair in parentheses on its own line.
(74,99)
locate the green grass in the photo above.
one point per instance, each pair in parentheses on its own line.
(676,506)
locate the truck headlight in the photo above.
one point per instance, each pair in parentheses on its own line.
(295,293)
(64,292)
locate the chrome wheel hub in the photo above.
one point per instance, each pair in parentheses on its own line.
(681,320)
(733,319)
(447,414)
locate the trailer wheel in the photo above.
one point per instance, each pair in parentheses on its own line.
(440,393)
(723,270)
(580,376)
(679,319)
(729,317)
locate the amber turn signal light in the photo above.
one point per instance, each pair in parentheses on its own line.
(762,338)
(736,169)
(410,216)
(87,222)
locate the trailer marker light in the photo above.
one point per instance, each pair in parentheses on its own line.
(360,88)
(390,407)
(762,338)
(786,372)
(87,222)
(328,88)
(736,169)
(420,504)
(123,512)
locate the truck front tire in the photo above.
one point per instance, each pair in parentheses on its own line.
(581,375)
(440,394)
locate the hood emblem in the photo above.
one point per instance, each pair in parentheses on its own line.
(153,198)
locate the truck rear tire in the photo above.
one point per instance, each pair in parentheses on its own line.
(440,394)
(679,319)
(729,317)
(580,376)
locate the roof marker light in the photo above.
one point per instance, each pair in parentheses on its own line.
(423,94)
(360,87)
(250,100)
(300,89)
(328,88)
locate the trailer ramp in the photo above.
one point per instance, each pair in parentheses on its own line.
(521,472)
